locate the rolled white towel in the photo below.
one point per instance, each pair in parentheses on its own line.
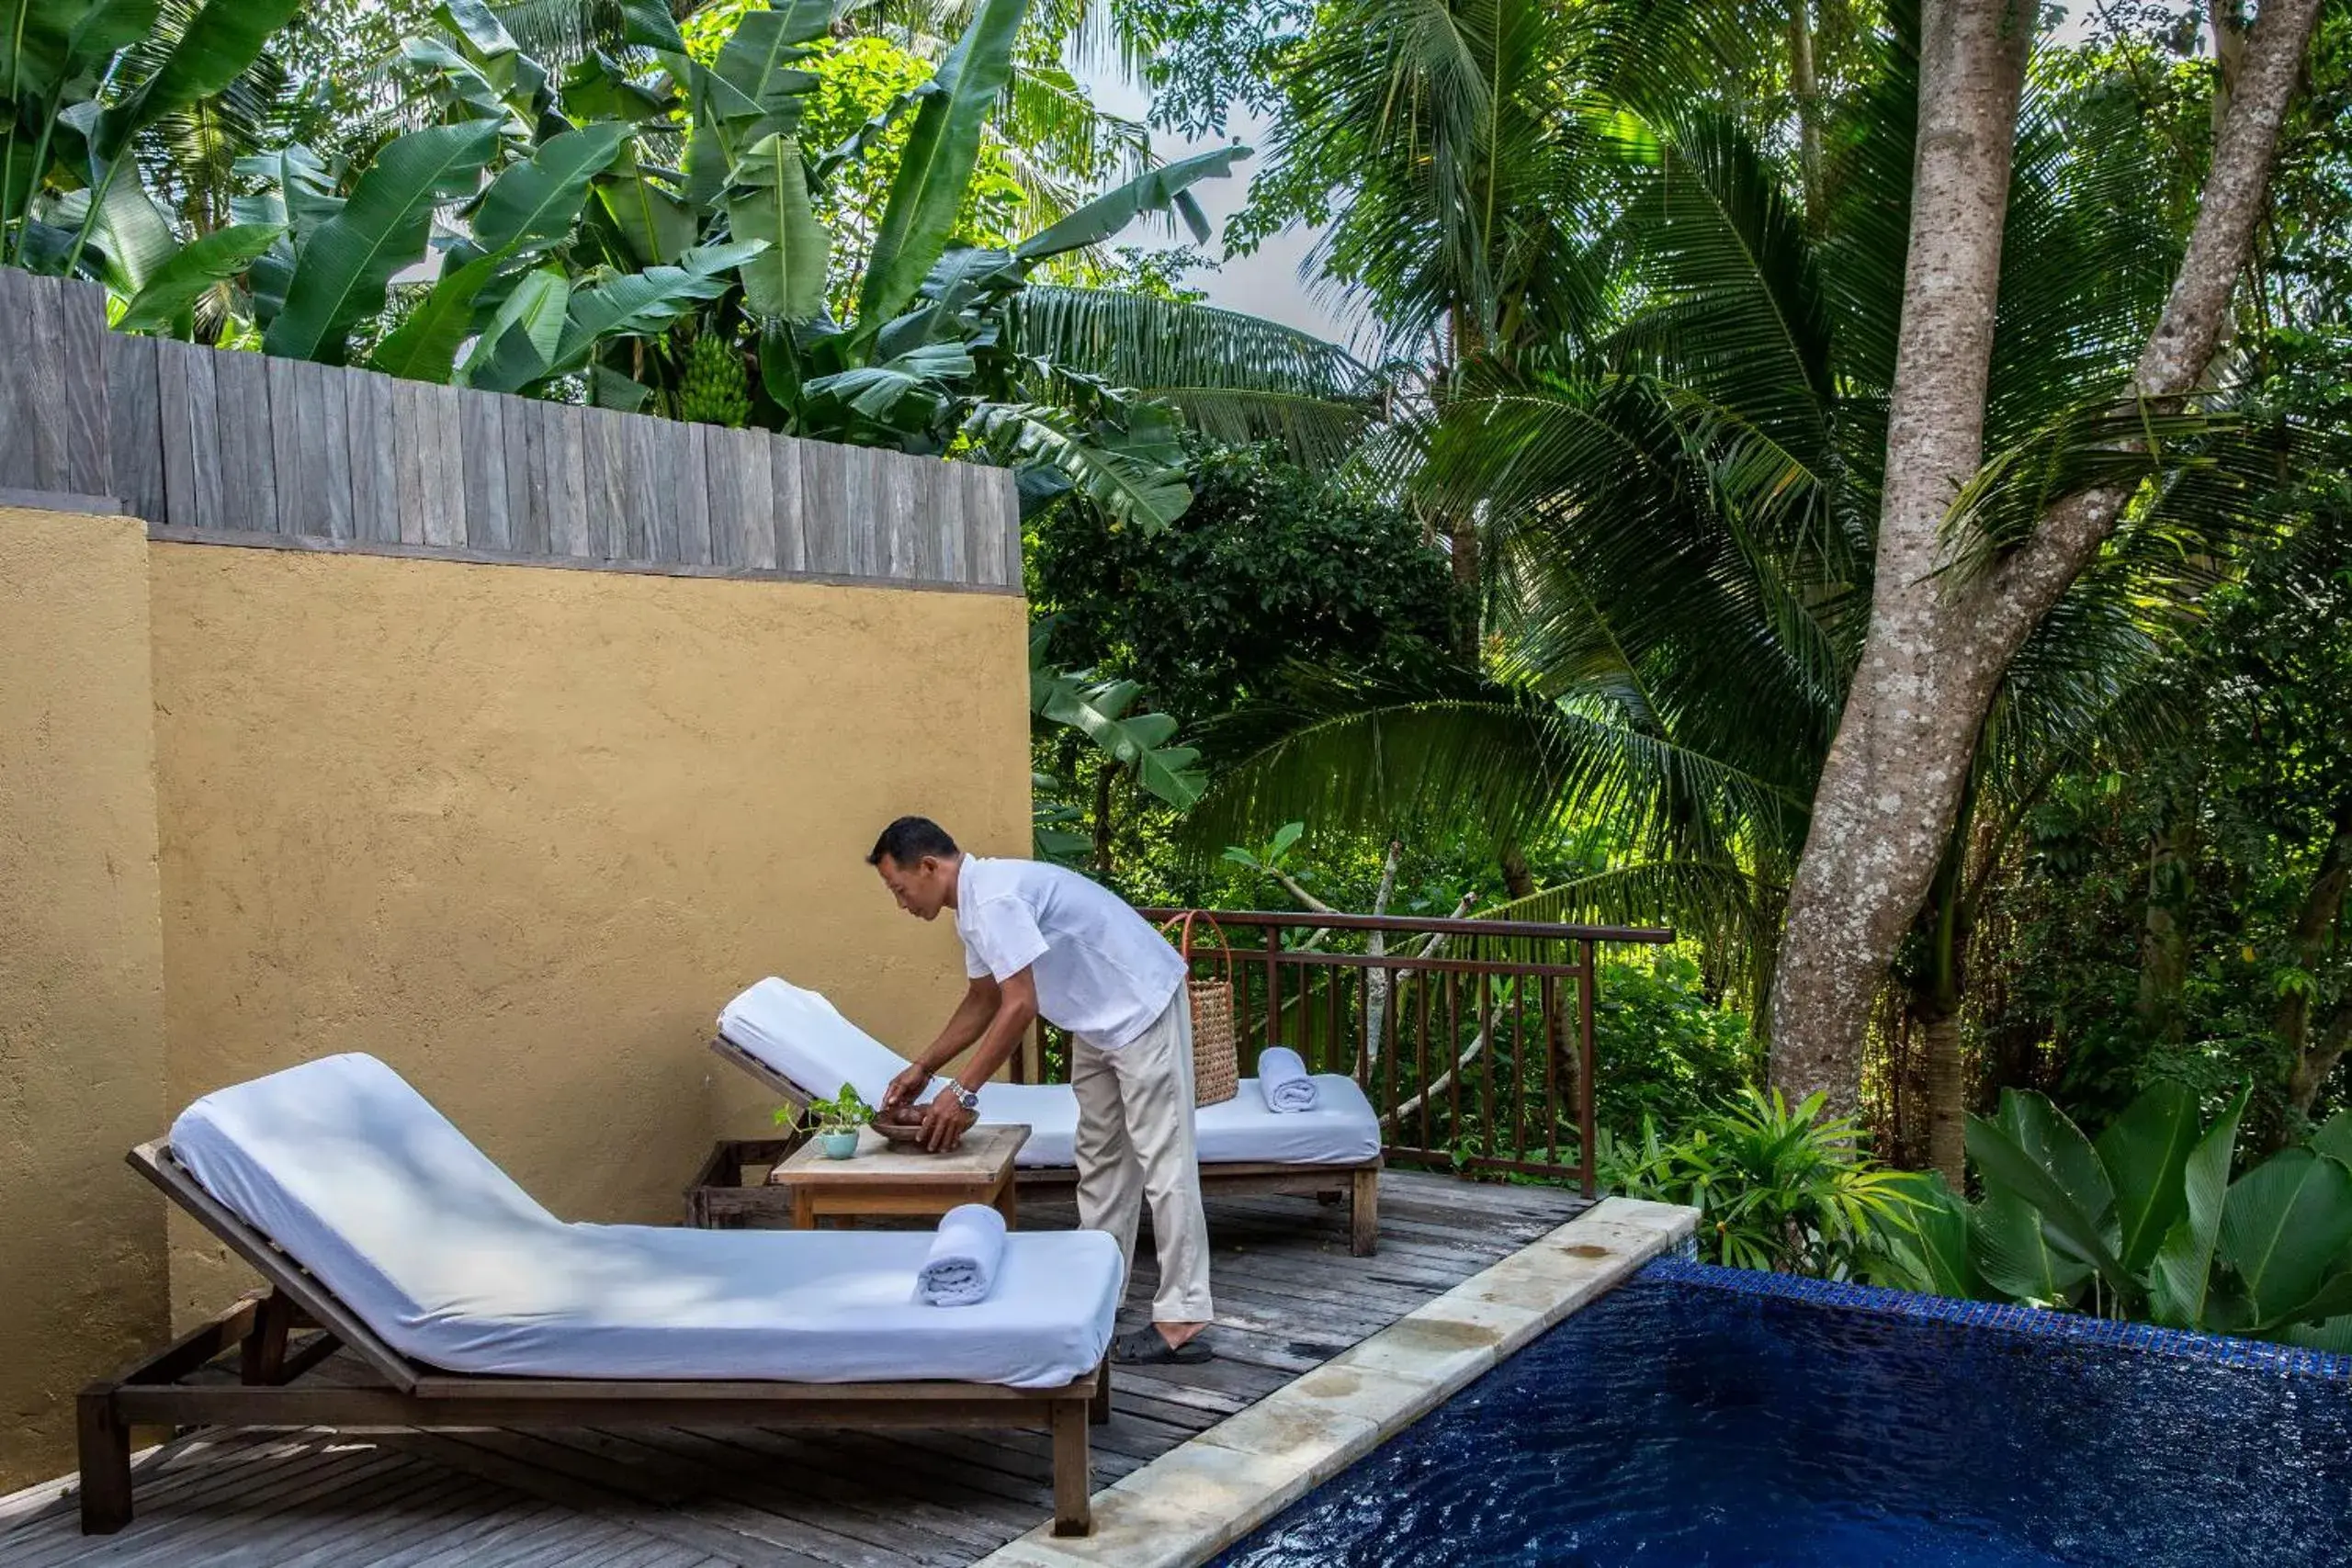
(1282,1079)
(960,1269)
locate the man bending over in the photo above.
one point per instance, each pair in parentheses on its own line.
(1039,940)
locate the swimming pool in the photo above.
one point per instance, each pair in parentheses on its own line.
(1709,1416)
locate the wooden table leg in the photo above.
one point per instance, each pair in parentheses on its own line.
(1009,1204)
(804,1209)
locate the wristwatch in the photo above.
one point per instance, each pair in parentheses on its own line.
(970,1099)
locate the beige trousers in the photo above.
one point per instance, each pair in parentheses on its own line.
(1135,1142)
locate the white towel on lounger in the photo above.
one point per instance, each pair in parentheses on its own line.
(1282,1078)
(960,1269)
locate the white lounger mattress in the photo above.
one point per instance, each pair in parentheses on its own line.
(805,1038)
(361,1181)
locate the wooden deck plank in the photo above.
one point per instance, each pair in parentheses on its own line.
(394,1502)
(445,1501)
(235,1515)
(177,1507)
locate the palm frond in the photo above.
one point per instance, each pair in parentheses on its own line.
(1497,764)
(1728,910)
(1238,379)
(1731,296)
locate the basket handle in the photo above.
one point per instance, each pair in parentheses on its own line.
(1182,927)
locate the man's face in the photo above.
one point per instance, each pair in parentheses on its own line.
(922,888)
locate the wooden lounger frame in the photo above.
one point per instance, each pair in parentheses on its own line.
(269,1391)
(1358,1183)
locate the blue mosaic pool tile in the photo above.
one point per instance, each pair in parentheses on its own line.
(2182,1344)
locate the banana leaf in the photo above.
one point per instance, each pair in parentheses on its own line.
(597,88)
(646,301)
(341,274)
(760,62)
(651,23)
(2334,1138)
(520,343)
(304,195)
(2284,1228)
(541,199)
(2144,1151)
(770,202)
(2180,1281)
(1137,478)
(220,42)
(657,226)
(935,167)
(2014,1253)
(424,347)
(2031,1152)
(133,238)
(1930,1238)
(199,264)
(44,44)
(1156,191)
(877,391)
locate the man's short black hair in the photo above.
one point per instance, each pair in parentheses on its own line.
(910,838)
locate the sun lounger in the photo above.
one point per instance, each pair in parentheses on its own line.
(800,1045)
(378,1224)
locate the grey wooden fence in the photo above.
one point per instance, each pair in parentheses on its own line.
(239,447)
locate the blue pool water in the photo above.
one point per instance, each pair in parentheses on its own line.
(1679,1423)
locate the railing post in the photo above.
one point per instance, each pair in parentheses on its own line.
(1587,1133)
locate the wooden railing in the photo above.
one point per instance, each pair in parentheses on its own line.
(1472,1038)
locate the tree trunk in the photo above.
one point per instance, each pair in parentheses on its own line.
(2314,1065)
(1804,86)
(1103,777)
(1947,1097)
(2315,925)
(1469,600)
(1883,810)
(1935,653)
(2229,56)
(2164,938)
(1518,878)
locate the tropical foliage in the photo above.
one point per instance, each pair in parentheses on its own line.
(1094,713)
(2145,1221)
(1675,469)
(1776,1186)
(638,223)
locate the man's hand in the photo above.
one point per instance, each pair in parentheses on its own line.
(904,1088)
(944,1119)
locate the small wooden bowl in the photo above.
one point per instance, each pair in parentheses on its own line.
(904,1131)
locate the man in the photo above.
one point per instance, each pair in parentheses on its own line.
(1039,940)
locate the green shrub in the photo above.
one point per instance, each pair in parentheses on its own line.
(1777,1188)
(2144,1221)
(1663,1050)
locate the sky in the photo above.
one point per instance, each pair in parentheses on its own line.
(1264,283)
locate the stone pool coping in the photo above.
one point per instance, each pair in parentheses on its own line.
(1202,1496)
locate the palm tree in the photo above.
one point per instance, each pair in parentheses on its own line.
(1679,503)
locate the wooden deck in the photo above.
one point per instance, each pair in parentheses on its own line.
(1289,1297)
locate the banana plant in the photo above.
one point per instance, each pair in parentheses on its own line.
(562,255)
(2145,1222)
(71,200)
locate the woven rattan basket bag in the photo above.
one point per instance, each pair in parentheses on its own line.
(1216,1068)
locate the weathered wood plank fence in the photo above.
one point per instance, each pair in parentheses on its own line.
(211,445)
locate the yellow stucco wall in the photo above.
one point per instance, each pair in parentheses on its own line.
(82,1280)
(521,831)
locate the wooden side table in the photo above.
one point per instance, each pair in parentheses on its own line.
(880,1179)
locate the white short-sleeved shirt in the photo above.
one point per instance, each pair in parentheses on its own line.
(1101,972)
